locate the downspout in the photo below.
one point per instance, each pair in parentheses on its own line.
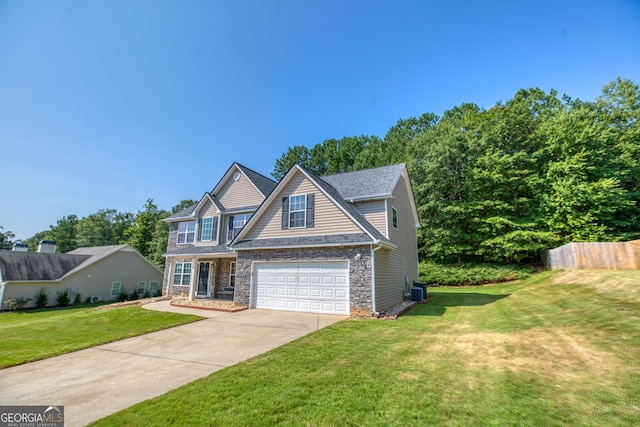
(2,288)
(373,277)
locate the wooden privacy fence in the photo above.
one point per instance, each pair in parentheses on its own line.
(594,256)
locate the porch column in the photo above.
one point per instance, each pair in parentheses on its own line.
(169,279)
(192,288)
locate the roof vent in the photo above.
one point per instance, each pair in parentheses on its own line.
(20,247)
(47,247)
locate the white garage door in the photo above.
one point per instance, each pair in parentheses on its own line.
(320,287)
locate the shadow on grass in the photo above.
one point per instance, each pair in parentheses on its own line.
(439,301)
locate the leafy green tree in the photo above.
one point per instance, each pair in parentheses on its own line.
(296,154)
(140,234)
(6,237)
(65,234)
(105,227)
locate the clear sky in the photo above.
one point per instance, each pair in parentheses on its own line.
(104,104)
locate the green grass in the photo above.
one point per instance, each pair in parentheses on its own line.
(37,334)
(545,351)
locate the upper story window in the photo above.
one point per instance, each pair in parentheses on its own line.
(297,211)
(394,217)
(207,228)
(236,222)
(186,232)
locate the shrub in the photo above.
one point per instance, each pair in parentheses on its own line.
(63,299)
(41,298)
(123,295)
(134,295)
(470,274)
(14,304)
(77,300)
(147,295)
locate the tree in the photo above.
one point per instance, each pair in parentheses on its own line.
(65,234)
(6,239)
(140,234)
(105,227)
(296,154)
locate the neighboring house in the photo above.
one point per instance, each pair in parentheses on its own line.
(341,244)
(96,273)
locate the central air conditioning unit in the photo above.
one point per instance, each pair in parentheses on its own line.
(95,298)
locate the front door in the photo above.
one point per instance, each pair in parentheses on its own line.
(203,279)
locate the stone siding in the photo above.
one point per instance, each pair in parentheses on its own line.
(360,289)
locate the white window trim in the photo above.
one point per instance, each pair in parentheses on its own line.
(211,229)
(157,286)
(119,288)
(304,211)
(232,273)
(231,234)
(394,212)
(186,233)
(182,273)
(144,286)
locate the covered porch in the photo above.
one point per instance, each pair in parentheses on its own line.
(202,277)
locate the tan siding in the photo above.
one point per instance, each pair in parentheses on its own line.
(208,209)
(392,265)
(238,194)
(124,267)
(329,219)
(374,212)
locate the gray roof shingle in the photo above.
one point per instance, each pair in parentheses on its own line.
(197,250)
(333,239)
(367,183)
(264,184)
(37,265)
(184,213)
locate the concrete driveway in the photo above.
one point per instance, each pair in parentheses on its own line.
(101,380)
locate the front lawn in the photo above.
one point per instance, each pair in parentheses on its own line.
(37,334)
(555,349)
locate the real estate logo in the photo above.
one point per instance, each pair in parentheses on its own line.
(31,416)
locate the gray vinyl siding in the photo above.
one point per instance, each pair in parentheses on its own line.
(329,218)
(374,212)
(238,194)
(125,267)
(392,265)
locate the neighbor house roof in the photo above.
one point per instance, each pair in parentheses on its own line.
(17,266)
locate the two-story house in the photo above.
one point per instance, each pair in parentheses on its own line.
(341,244)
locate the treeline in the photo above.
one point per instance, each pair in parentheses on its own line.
(499,184)
(145,231)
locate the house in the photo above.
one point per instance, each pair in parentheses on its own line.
(340,244)
(96,273)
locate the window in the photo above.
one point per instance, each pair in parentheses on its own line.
(394,217)
(140,288)
(115,289)
(236,223)
(232,274)
(154,287)
(297,211)
(186,232)
(182,275)
(207,228)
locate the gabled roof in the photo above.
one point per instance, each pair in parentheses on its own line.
(37,266)
(263,184)
(366,184)
(15,266)
(370,233)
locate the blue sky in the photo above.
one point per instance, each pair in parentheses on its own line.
(104,104)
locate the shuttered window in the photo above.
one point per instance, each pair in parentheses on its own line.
(298,211)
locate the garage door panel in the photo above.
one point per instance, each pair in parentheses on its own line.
(314,287)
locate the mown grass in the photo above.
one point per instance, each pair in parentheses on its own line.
(37,334)
(540,352)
